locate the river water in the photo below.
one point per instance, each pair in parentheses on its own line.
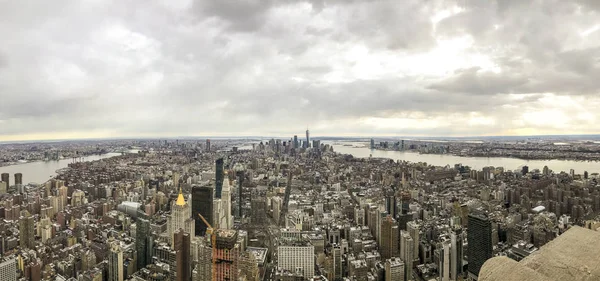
(473,162)
(40,172)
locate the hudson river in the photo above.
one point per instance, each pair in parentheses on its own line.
(40,172)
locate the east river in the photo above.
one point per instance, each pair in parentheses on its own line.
(473,162)
(42,171)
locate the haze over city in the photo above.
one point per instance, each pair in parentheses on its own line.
(101,69)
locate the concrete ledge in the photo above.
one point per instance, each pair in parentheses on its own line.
(575,255)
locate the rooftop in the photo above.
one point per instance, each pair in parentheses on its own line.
(259,253)
(568,257)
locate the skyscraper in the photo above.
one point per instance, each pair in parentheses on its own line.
(3,187)
(181,218)
(218,177)
(202,203)
(26,230)
(391,205)
(143,242)
(225,211)
(183,256)
(6,179)
(227,255)
(456,262)
(307,139)
(414,229)
(444,267)
(337,263)
(203,270)
(479,237)
(295,141)
(115,262)
(406,254)
(18,179)
(240,199)
(390,236)
(207,145)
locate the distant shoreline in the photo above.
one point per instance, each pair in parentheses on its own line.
(7,164)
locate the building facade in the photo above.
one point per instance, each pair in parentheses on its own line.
(202,203)
(479,236)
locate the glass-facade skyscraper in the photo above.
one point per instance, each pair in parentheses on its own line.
(479,235)
(307,139)
(219,177)
(202,203)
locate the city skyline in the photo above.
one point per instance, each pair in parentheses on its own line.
(93,69)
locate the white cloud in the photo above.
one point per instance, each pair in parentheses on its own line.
(273,67)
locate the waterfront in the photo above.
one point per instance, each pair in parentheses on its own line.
(473,162)
(41,171)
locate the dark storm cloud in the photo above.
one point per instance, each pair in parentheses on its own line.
(262,66)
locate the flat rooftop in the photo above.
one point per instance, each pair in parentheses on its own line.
(259,253)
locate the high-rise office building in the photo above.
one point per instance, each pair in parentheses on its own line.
(391,205)
(307,139)
(115,262)
(479,237)
(394,270)
(316,144)
(456,261)
(414,229)
(226,217)
(26,230)
(295,141)
(407,253)
(337,263)
(8,269)
(219,176)
(444,254)
(3,187)
(203,270)
(183,256)
(143,242)
(390,238)
(202,203)
(18,179)
(207,145)
(295,254)
(372,144)
(240,200)
(180,218)
(258,210)
(6,178)
(226,255)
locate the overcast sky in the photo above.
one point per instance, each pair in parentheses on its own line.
(127,68)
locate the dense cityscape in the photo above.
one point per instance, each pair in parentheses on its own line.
(279,210)
(300,140)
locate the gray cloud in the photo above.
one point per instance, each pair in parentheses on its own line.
(146,68)
(474,81)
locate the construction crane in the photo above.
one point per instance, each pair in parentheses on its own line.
(213,241)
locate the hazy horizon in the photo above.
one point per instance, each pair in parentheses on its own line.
(302,136)
(97,69)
